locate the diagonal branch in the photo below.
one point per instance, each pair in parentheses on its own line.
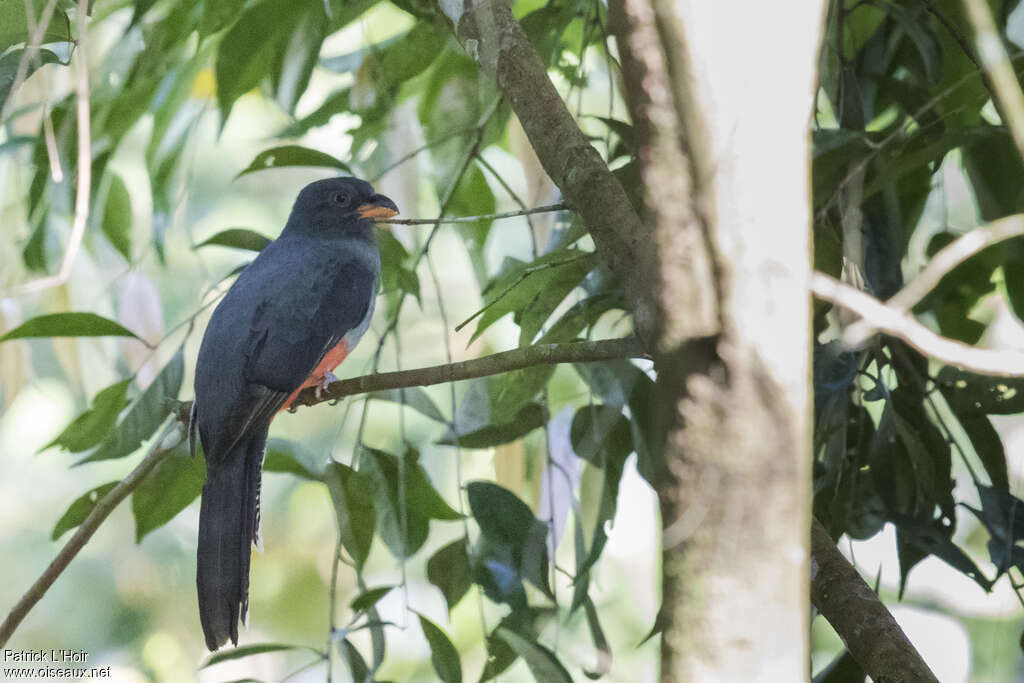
(172,434)
(170,437)
(492,35)
(868,630)
(940,265)
(902,324)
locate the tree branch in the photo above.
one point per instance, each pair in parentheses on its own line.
(867,628)
(490,32)
(541,354)
(506,361)
(160,447)
(902,324)
(472,219)
(948,258)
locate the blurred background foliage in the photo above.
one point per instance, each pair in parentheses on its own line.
(206,119)
(498,546)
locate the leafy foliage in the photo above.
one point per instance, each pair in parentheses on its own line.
(902,112)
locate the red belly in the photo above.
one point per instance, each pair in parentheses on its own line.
(331,360)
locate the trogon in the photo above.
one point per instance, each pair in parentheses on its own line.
(290,318)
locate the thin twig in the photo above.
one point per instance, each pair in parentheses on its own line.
(419,150)
(81,74)
(937,268)
(167,440)
(472,219)
(901,324)
(161,446)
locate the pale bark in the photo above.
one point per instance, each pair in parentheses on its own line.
(717,85)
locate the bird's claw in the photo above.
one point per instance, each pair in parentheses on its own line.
(328,378)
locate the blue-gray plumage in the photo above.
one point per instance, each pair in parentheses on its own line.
(290,317)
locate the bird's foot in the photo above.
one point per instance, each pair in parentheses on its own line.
(328,379)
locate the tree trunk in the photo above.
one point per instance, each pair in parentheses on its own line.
(727,87)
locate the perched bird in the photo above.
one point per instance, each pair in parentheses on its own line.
(290,318)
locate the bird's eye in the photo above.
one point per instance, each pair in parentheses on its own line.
(340,198)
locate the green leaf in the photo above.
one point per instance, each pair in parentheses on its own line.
(335,104)
(68,325)
(602,436)
(931,538)
(369,598)
(117,217)
(443,654)
(293,155)
(249,50)
(352,496)
(356,664)
(499,656)
(528,418)
(218,15)
(989,447)
(604,650)
(250,650)
(239,238)
(601,433)
(293,64)
(519,284)
(414,397)
(145,414)
(1002,513)
(449,569)
(917,28)
(543,663)
(396,63)
(562,281)
(996,172)
(515,538)
(473,197)
(89,428)
(172,485)
(290,458)
(80,509)
(10,61)
(14,23)
(969,394)
(422,502)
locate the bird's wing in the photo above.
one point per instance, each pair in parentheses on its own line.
(279,321)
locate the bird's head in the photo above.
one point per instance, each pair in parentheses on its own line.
(338,205)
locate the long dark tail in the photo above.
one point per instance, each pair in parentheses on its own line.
(228,526)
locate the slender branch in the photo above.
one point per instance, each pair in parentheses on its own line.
(472,219)
(161,446)
(81,76)
(999,69)
(506,361)
(419,150)
(869,631)
(901,324)
(938,267)
(173,433)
